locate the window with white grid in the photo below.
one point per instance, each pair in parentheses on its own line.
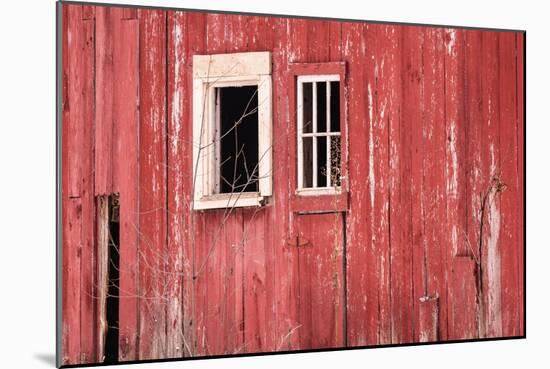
(319,137)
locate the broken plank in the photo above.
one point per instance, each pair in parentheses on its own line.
(428,318)
(126,173)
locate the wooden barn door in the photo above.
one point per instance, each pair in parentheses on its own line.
(320,244)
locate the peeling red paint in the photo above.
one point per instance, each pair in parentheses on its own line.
(409,252)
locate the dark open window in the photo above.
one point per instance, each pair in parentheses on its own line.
(232,130)
(237,115)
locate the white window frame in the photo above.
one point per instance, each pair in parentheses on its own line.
(228,70)
(314,190)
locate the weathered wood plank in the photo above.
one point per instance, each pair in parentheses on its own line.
(129,13)
(219,283)
(463,294)
(267,329)
(318,38)
(72,242)
(199,298)
(215,33)
(413,113)
(255,254)
(520,198)
(219,263)
(75,102)
(257,36)
(292,45)
(434,170)
(297,47)
(284,323)
(237,33)
(216,281)
(386,75)
(461,235)
(195,43)
(176,166)
(73,105)
(378,74)
(65,101)
(233,283)
(257,244)
(152,184)
(87,276)
(510,208)
(360,325)
(105,163)
(115,18)
(476,185)
(491,243)
(102,265)
(271,32)
(335,41)
(104,87)
(126,117)
(321,271)
(368,186)
(77,196)
(401,225)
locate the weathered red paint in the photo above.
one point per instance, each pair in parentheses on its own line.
(175,189)
(320,281)
(78,199)
(410,251)
(153,258)
(126,171)
(470,119)
(433,182)
(520,162)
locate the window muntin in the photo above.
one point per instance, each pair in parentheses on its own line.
(319,134)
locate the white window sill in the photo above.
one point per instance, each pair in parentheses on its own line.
(229,200)
(319,191)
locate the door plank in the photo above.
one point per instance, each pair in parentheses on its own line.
(320,280)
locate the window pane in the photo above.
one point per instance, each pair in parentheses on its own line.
(335,151)
(238,123)
(308,162)
(307,107)
(335,106)
(321,106)
(322,161)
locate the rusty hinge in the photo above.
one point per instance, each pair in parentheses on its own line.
(297,241)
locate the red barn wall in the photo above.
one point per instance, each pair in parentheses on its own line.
(430,248)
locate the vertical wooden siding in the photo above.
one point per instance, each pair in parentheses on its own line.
(433,235)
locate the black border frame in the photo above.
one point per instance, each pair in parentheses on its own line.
(59,174)
(58,181)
